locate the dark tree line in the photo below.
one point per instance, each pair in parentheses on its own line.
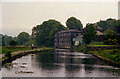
(43,34)
(21,39)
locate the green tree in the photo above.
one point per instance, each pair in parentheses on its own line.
(13,43)
(2,43)
(7,39)
(44,33)
(109,34)
(89,33)
(73,23)
(31,41)
(102,24)
(108,24)
(22,38)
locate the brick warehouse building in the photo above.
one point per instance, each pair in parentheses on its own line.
(63,38)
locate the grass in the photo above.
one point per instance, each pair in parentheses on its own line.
(82,48)
(98,44)
(6,50)
(112,55)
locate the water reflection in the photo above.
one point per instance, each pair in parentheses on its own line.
(60,64)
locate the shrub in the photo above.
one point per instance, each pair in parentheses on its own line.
(8,55)
(111,42)
(13,43)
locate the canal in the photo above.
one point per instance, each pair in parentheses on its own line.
(59,64)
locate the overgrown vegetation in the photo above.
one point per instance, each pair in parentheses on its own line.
(45,32)
(112,55)
(82,48)
(97,43)
(89,33)
(7,50)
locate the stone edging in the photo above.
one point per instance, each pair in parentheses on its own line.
(20,54)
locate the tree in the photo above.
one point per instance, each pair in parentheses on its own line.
(73,23)
(109,34)
(7,39)
(89,33)
(13,43)
(31,41)
(44,33)
(108,24)
(102,24)
(22,38)
(3,42)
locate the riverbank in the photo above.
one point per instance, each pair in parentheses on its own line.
(14,55)
(107,53)
(112,57)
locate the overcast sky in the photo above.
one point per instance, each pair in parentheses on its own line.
(23,16)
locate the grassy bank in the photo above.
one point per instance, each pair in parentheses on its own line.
(98,44)
(12,52)
(82,48)
(6,50)
(110,55)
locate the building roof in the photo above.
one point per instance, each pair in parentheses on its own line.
(79,36)
(99,33)
(72,30)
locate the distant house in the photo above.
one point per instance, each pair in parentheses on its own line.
(100,36)
(78,40)
(64,38)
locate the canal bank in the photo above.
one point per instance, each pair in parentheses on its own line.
(110,57)
(61,64)
(108,53)
(18,54)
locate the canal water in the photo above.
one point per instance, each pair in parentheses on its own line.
(59,64)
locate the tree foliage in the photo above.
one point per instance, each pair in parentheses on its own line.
(109,34)
(7,39)
(108,24)
(73,23)
(22,38)
(2,43)
(89,33)
(110,37)
(44,33)
(13,43)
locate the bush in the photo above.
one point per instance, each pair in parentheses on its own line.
(8,55)
(13,43)
(82,48)
(113,55)
(111,42)
(97,43)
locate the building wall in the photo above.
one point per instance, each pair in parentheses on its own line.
(64,39)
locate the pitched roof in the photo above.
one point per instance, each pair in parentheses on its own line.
(72,30)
